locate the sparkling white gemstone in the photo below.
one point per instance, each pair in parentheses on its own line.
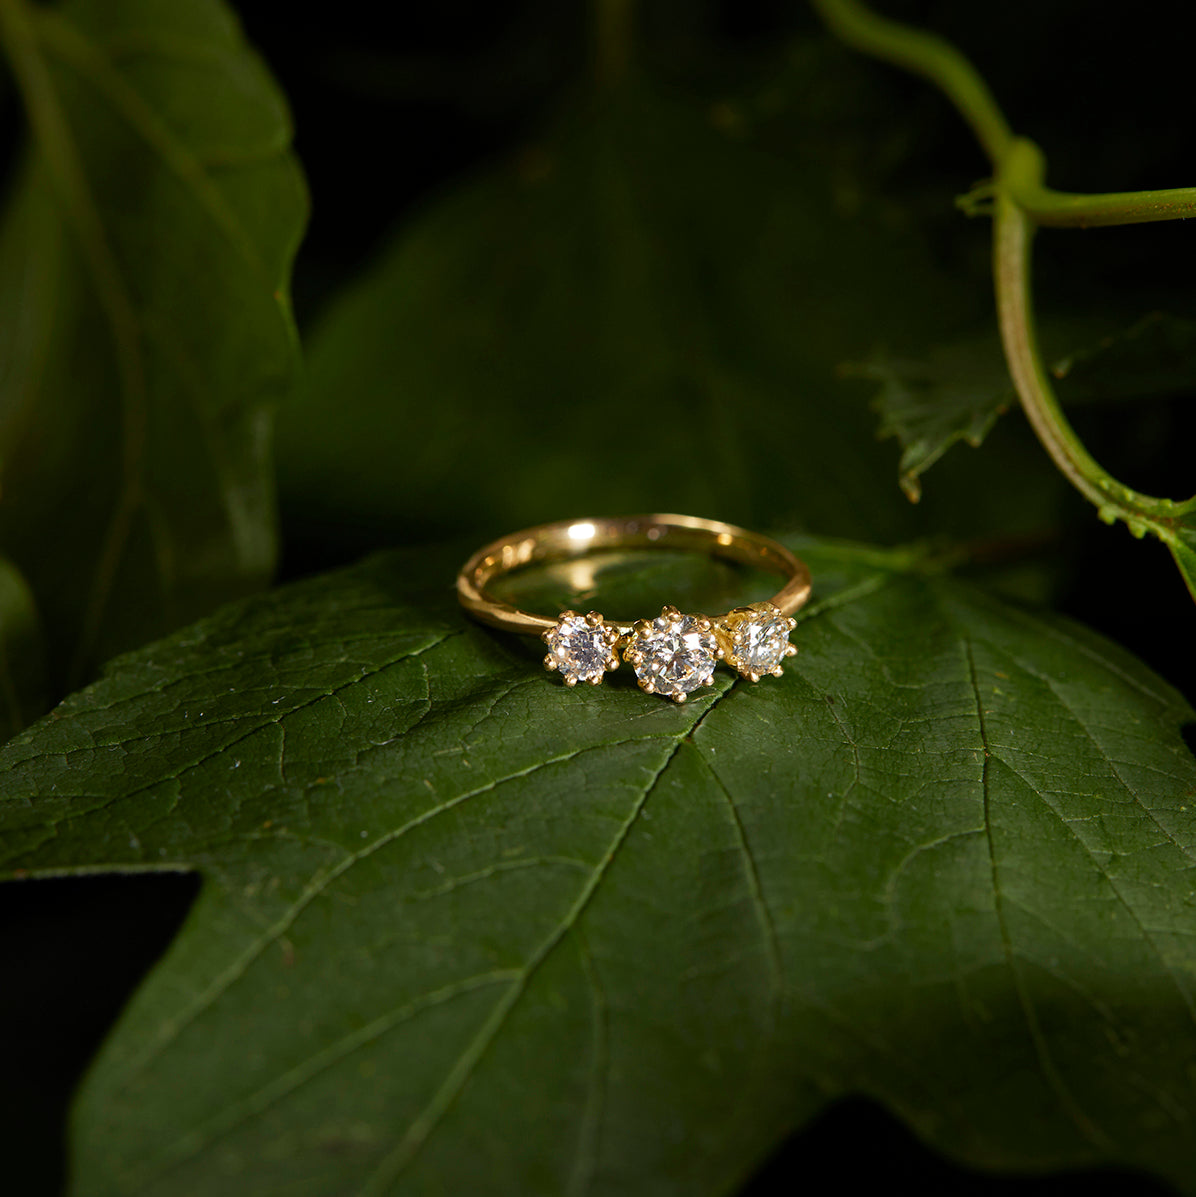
(760,644)
(675,656)
(578,648)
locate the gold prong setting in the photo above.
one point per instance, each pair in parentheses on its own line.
(674,654)
(755,640)
(581,648)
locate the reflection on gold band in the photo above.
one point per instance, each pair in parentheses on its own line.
(566,540)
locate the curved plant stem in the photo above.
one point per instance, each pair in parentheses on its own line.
(925,54)
(934,58)
(1019,202)
(1012,244)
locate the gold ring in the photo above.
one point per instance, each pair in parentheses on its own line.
(673,654)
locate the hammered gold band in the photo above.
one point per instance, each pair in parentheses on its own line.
(671,655)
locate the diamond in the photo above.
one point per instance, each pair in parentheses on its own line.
(581,647)
(674,654)
(755,639)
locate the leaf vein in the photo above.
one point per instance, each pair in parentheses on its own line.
(398,1160)
(1051,1074)
(319,882)
(200,1138)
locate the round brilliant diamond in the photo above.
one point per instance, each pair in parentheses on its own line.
(579,647)
(760,643)
(674,655)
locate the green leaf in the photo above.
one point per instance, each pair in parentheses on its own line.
(1182,543)
(643,310)
(144,322)
(464,931)
(957,392)
(22,659)
(1153,357)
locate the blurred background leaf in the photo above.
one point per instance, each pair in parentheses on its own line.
(959,390)
(22,666)
(144,322)
(1155,357)
(642,309)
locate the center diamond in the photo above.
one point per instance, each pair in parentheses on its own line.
(673,655)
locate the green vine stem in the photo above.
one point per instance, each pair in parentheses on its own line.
(924,54)
(1019,202)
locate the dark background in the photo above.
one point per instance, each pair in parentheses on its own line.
(393,104)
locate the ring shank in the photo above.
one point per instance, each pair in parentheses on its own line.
(568,539)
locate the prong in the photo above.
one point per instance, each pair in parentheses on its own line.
(550,662)
(568,615)
(719,654)
(546,635)
(594,619)
(708,679)
(570,682)
(778,672)
(791,650)
(704,623)
(612,662)
(595,679)
(647,687)
(678,696)
(611,636)
(792,623)
(753,677)
(669,612)
(641,627)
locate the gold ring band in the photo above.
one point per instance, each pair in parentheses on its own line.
(673,654)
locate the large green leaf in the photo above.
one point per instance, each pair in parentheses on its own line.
(144,324)
(462,930)
(1182,543)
